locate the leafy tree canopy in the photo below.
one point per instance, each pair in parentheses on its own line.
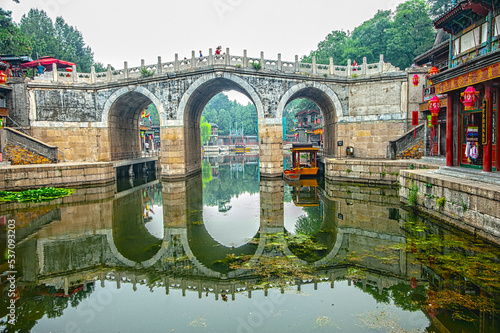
(57,39)
(12,40)
(399,36)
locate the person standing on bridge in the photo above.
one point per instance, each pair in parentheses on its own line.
(201,56)
(40,69)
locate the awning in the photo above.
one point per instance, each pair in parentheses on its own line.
(47,62)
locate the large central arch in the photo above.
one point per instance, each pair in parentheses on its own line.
(193,102)
(326,99)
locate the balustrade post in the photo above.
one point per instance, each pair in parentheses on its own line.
(54,73)
(143,64)
(245,59)
(159,68)
(349,68)
(364,66)
(125,69)
(381,64)
(176,63)
(331,68)
(109,73)
(280,64)
(193,59)
(74,74)
(296,63)
(314,67)
(262,64)
(227,57)
(210,57)
(92,74)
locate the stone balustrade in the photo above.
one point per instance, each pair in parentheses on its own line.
(243,63)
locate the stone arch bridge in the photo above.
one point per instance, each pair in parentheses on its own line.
(95,116)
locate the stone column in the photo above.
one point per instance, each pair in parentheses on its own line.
(143,64)
(159,68)
(381,64)
(109,73)
(271,147)
(280,64)
(176,63)
(175,210)
(54,73)
(245,59)
(227,58)
(74,74)
(262,62)
(271,205)
(296,63)
(332,67)
(349,68)
(173,161)
(210,57)
(125,69)
(364,66)
(92,74)
(314,66)
(193,59)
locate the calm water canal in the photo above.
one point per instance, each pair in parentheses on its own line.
(228,252)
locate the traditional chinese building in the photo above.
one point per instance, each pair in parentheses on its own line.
(471,83)
(309,126)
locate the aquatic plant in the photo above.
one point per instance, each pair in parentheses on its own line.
(38,195)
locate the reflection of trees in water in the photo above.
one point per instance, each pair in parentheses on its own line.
(309,223)
(34,304)
(223,189)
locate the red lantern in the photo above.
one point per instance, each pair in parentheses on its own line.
(415,80)
(434,105)
(468,98)
(434,70)
(3,77)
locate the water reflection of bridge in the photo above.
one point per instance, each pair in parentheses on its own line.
(111,234)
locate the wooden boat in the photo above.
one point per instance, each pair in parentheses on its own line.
(293,175)
(304,160)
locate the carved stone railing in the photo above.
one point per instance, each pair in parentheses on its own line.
(227,60)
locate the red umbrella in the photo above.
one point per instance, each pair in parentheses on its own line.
(47,62)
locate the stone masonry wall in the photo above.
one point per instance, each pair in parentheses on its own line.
(79,144)
(63,174)
(369,171)
(369,139)
(271,149)
(173,159)
(467,204)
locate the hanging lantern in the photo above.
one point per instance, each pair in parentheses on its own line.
(415,80)
(434,105)
(468,98)
(434,70)
(3,77)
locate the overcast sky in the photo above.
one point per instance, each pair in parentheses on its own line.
(129,30)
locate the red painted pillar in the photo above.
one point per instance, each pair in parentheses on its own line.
(488,95)
(449,130)
(497,141)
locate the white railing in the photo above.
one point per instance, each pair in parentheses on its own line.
(225,59)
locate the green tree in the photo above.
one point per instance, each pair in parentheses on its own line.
(12,40)
(40,30)
(412,33)
(205,131)
(370,38)
(439,7)
(57,39)
(332,47)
